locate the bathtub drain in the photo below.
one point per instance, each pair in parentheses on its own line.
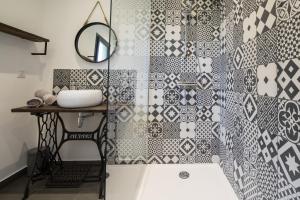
(184,175)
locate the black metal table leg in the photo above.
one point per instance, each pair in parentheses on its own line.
(47,144)
(101,143)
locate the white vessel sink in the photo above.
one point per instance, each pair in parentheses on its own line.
(79,98)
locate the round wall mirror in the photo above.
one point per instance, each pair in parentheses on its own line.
(92,42)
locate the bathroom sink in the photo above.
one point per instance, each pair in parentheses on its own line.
(79,98)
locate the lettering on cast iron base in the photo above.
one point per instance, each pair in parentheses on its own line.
(81,136)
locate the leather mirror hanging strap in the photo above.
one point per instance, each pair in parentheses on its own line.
(105,18)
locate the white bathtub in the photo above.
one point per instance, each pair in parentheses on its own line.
(162,182)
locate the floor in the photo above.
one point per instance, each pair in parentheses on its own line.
(140,182)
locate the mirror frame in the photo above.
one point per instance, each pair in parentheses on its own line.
(83,29)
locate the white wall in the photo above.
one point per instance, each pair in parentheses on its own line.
(18,131)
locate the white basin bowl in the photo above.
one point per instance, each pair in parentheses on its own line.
(79,98)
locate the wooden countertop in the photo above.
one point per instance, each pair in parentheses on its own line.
(56,109)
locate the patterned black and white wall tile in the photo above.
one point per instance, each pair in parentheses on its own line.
(166,129)
(260,124)
(181,117)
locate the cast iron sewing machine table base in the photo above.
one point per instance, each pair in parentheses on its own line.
(48,118)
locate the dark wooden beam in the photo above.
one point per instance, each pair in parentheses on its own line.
(21,34)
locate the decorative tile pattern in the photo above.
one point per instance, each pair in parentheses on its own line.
(78,78)
(174,48)
(127,95)
(249,50)
(181,34)
(187,147)
(155,147)
(171,80)
(187,130)
(188,77)
(205,33)
(286,190)
(288,120)
(171,130)
(157,48)
(289,39)
(238,58)
(259,134)
(203,151)
(155,130)
(266,180)
(192,21)
(266,75)
(289,162)
(171,113)
(267,47)
(157,4)
(156,81)
(204,113)
(190,61)
(173,17)
(267,115)
(57,89)
(190,49)
(238,11)
(171,147)
(206,98)
(155,113)
(61,77)
(286,10)
(173,4)
(203,130)
(250,107)
(249,7)
(188,113)
(230,80)
(172,97)
(173,32)
(158,25)
(157,64)
(204,81)
(125,113)
(239,79)
(267,147)
(128,149)
(209,49)
(188,97)
(171,159)
(172,65)
(266,16)
(289,79)
(249,27)
(156,97)
(250,81)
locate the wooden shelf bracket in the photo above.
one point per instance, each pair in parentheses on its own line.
(24,35)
